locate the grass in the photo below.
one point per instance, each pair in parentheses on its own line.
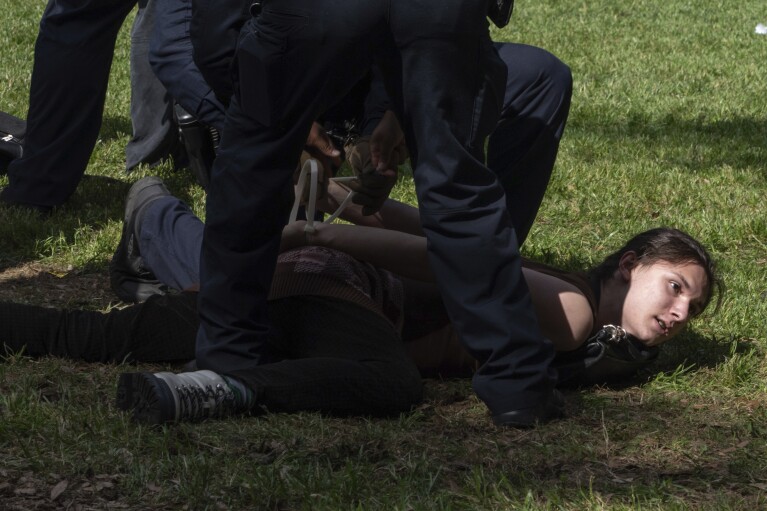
(668,127)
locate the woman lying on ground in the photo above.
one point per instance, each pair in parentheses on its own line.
(351,337)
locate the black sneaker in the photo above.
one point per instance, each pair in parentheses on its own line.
(550,408)
(12,132)
(128,276)
(10,149)
(161,398)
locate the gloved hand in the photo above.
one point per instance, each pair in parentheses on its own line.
(374,161)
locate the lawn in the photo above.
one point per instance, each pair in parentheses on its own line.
(668,127)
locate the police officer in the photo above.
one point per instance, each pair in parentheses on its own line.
(73,56)
(295,59)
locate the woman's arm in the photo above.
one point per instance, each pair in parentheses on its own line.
(563,311)
(398,252)
(393,215)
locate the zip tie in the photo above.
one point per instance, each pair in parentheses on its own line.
(311,169)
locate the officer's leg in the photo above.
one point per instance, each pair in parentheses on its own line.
(285,59)
(453,89)
(73,55)
(155,133)
(523,147)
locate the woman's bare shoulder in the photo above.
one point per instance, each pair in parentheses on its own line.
(564,312)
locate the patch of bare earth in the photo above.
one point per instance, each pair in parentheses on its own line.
(29,490)
(51,286)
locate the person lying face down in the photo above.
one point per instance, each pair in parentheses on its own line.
(342,292)
(652,286)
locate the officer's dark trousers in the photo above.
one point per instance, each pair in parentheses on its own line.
(523,147)
(73,56)
(294,61)
(155,132)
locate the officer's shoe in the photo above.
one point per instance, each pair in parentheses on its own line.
(10,149)
(128,276)
(161,398)
(551,408)
(12,133)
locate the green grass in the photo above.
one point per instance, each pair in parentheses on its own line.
(668,127)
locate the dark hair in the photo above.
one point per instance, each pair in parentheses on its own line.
(669,245)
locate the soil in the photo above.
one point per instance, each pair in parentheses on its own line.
(41,284)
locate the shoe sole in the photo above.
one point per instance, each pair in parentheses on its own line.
(553,409)
(147,396)
(125,394)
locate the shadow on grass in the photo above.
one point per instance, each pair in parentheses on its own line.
(693,350)
(687,353)
(563,261)
(696,145)
(98,202)
(84,288)
(29,236)
(114,127)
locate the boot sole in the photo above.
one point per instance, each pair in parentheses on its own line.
(125,394)
(148,396)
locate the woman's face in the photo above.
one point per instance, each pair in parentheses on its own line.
(661,298)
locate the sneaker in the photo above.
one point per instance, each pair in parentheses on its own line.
(10,149)
(12,132)
(128,276)
(551,408)
(161,398)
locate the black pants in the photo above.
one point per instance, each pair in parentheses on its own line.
(295,60)
(325,355)
(73,57)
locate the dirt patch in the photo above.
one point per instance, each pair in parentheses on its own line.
(52,286)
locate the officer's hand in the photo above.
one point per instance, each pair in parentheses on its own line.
(372,189)
(320,146)
(374,161)
(387,143)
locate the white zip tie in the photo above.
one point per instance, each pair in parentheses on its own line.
(311,168)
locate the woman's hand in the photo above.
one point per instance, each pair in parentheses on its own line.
(294,236)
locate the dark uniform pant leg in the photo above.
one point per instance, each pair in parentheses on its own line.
(523,147)
(294,60)
(295,65)
(453,91)
(73,55)
(155,132)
